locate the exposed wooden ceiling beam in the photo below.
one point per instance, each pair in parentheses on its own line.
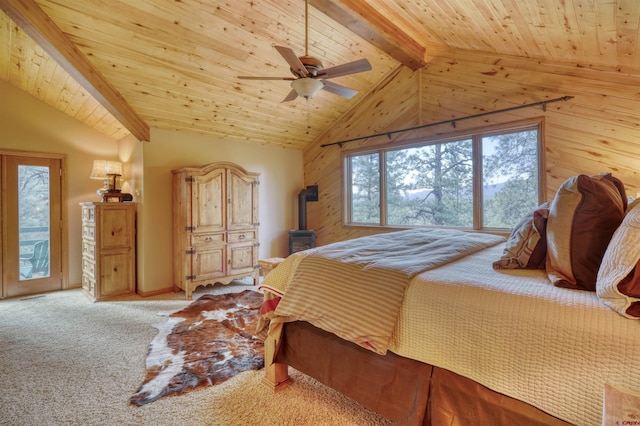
(370,24)
(32,19)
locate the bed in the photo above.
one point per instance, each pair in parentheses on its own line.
(495,331)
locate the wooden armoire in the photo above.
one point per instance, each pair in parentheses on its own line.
(215,225)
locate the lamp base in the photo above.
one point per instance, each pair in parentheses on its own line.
(111,195)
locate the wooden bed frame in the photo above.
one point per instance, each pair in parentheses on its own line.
(405,391)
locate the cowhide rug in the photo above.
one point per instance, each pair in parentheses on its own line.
(206,343)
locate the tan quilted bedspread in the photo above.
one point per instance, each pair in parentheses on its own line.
(517,334)
(355,288)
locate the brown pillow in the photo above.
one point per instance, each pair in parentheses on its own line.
(583,216)
(526,247)
(618,283)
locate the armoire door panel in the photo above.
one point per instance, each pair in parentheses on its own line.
(241,258)
(209,262)
(209,202)
(242,191)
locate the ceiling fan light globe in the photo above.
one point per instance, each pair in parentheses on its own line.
(306,87)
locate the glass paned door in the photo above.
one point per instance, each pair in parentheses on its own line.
(33,221)
(31,225)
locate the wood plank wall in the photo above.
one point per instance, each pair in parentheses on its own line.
(597,131)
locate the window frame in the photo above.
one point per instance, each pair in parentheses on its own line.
(476,135)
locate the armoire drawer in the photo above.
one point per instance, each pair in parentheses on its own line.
(200,239)
(239,236)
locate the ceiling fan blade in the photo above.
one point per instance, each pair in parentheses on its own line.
(246,77)
(291,96)
(339,90)
(345,69)
(294,62)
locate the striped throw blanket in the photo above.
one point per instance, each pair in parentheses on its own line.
(355,288)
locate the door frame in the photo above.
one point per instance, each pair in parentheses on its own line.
(64,230)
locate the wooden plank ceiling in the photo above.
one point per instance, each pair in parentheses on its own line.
(123,66)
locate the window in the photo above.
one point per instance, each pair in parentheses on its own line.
(485,180)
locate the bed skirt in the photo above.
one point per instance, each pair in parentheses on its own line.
(406,391)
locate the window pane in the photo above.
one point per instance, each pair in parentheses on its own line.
(365,188)
(33,208)
(431,185)
(510,177)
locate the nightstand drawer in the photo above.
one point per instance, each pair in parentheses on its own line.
(88,249)
(89,285)
(89,267)
(89,232)
(88,215)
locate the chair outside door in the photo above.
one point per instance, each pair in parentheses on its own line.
(35,264)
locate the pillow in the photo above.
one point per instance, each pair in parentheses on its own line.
(526,247)
(583,216)
(618,284)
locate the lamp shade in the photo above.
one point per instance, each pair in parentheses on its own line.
(102,168)
(307,87)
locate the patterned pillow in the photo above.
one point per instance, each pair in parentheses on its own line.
(583,216)
(526,247)
(618,284)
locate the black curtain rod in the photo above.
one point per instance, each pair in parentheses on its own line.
(452,122)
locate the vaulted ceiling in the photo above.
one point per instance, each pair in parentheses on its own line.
(123,66)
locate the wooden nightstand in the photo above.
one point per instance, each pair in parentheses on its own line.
(108,250)
(266,265)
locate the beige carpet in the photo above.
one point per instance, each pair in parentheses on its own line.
(67,361)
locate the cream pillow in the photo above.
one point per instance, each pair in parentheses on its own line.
(618,284)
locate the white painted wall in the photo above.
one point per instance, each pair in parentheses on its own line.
(28,124)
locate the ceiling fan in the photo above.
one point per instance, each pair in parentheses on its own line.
(309,76)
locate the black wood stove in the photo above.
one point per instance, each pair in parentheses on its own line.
(303,238)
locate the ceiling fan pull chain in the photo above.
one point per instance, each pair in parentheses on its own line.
(308,115)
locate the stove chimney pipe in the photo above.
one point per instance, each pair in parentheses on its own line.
(302,210)
(310,193)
